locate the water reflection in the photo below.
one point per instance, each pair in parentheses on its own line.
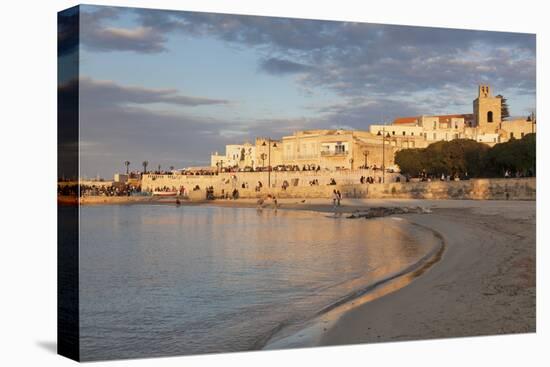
(159,280)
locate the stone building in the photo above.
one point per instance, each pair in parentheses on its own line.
(236,155)
(327,149)
(487,111)
(484,125)
(269,152)
(353,149)
(335,149)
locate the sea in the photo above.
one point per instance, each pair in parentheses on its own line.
(164,280)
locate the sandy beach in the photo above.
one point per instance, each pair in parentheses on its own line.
(483,284)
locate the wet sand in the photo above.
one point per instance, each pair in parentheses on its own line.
(484,283)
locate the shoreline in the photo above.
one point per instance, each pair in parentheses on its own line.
(311,331)
(484,284)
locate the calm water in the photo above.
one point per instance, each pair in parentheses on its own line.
(165,280)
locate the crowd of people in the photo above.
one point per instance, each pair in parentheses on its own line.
(369,180)
(424,177)
(279,168)
(118,190)
(98,190)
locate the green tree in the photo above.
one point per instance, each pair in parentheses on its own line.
(410,161)
(456,157)
(515,156)
(504,113)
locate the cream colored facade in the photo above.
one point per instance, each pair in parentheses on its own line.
(353,149)
(487,111)
(236,155)
(269,152)
(484,125)
(327,149)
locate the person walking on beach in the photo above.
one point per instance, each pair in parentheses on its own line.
(338,197)
(334,198)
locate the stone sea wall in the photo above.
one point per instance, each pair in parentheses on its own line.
(230,181)
(349,186)
(476,189)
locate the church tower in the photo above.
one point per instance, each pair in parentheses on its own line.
(487,110)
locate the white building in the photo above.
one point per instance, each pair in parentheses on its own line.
(236,155)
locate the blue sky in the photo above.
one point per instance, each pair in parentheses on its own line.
(172,87)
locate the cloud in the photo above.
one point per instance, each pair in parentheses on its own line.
(280,66)
(350,58)
(68,31)
(97,36)
(105,92)
(363,59)
(376,71)
(116,125)
(139,39)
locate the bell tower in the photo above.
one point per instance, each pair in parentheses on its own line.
(487,110)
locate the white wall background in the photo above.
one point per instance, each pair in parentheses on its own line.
(28,216)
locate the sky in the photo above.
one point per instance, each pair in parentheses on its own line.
(171,87)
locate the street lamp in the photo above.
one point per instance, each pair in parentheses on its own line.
(384,137)
(269,160)
(366,154)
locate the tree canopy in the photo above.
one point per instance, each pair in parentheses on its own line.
(504,112)
(468,157)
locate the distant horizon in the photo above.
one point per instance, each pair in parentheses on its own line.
(170,87)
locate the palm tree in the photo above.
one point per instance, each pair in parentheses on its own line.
(145,164)
(127,164)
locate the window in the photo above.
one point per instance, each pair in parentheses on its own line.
(490,116)
(393,132)
(339,148)
(435,136)
(412,134)
(403,133)
(511,135)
